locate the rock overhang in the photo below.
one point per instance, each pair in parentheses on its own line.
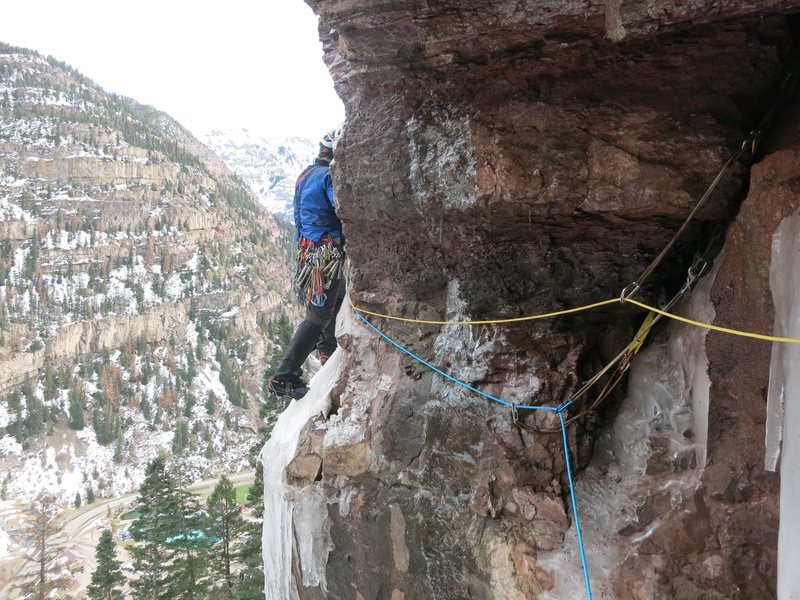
(530,156)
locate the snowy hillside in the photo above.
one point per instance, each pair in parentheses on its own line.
(142,290)
(269,167)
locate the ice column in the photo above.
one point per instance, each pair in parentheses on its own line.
(295,519)
(783,400)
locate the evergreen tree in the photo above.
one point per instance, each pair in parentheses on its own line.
(36,413)
(64,377)
(251,578)
(76,416)
(108,577)
(230,381)
(181,439)
(119,447)
(103,419)
(191,368)
(189,569)
(211,402)
(225,525)
(171,546)
(15,406)
(255,495)
(50,386)
(144,406)
(189,404)
(200,351)
(155,524)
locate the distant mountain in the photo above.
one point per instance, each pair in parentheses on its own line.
(270,167)
(143,291)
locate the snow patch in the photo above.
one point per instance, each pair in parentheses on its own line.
(5,545)
(11,212)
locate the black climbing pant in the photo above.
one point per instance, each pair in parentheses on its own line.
(318,330)
(327,339)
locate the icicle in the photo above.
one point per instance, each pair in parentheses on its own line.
(783,400)
(696,368)
(782,285)
(295,521)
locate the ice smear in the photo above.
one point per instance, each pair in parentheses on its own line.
(295,520)
(668,391)
(667,396)
(783,399)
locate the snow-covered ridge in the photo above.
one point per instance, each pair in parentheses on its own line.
(270,166)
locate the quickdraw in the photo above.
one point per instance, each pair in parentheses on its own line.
(319,264)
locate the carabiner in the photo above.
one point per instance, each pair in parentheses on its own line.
(319,300)
(629,291)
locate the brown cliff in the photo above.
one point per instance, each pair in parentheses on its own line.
(505,159)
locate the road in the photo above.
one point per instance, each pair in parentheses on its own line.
(80,534)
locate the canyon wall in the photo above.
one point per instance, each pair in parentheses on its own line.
(141,289)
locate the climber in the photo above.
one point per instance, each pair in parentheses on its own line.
(319,278)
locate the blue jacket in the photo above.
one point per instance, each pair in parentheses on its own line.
(314,209)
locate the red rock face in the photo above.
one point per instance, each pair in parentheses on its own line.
(722,543)
(505,159)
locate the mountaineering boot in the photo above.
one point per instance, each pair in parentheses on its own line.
(291,368)
(285,388)
(323,357)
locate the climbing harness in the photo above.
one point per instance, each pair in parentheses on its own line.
(318,265)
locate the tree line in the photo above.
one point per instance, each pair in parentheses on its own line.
(182,550)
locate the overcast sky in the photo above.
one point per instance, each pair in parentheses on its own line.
(255,64)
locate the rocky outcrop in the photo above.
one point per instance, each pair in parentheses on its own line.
(79,339)
(505,159)
(153,326)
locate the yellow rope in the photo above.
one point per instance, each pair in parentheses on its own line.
(758,336)
(490,321)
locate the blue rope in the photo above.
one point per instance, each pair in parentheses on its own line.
(447,376)
(558,410)
(575,508)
